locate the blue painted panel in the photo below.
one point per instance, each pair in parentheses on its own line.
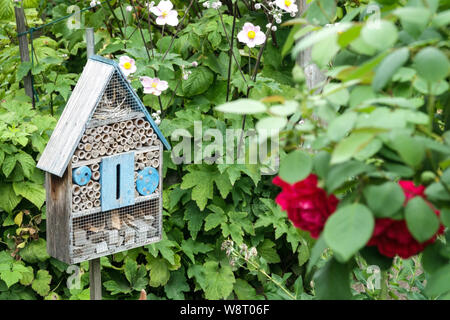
(147,181)
(81,175)
(117,181)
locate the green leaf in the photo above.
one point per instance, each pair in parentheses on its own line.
(191,248)
(8,165)
(341,126)
(270,126)
(437,192)
(373,257)
(198,82)
(350,146)
(432,260)
(441,19)
(177,285)
(117,286)
(33,192)
(27,162)
(381,34)
(195,219)
(159,272)
(414,19)
(348,230)
(388,67)
(410,150)
(445,217)
(377,196)
(332,282)
(8,198)
(268,252)
(342,172)
(286,109)
(136,275)
(431,64)
(321,11)
(214,219)
(421,220)
(244,291)
(41,284)
(35,251)
(439,282)
(242,106)
(296,166)
(336,94)
(23,70)
(219,280)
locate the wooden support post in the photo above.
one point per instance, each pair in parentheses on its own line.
(312,72)
(23,48)
(95,276)
(95,279)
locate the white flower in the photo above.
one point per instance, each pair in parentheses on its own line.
(274,28)
(129,8)
(154,86)
(251,35)
(257,6)
(216,5)
(206,4)
(194,64)
(287,5)
(127,65)
(93,3)
(278,21)
(165,13)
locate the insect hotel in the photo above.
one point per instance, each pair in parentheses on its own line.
(103,169)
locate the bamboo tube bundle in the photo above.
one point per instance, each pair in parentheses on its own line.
(142,131)
(139,122)
(84,189)
(91,194)
(142,139)
(136,166)
(128,133)
(85,138)
(83,197)
(90,185)
(102,150)
(76,199)
(136,137)
(96,175)
(106,129)
(95,166)
(149,141)
(95,154)
(114,135)
(154,137)
(156,154)
(126,147)
(75,159)
(138,145)
(96,186)
(87,147)
(129,124)
(147,125)
(155,163)
(107,145)
(82,206)
(141,166)
(120,149)
(89,205)
(105,137)
(75,208)
(90,131)
(97,138)
(90,139)
(76,190)
(95,145)
(129,141)
(122,125)
(80,146)
(115,145)
(97,195)
(149,132)
(120,132)
(109,151)
(97,203)
(115,126)
(123,141)
(88,156)
(80,154)
(99,130)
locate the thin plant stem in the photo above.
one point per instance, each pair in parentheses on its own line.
(173,94)
(115,17)
(249,61)
(178,30)
(230,62)
(430,108)
(232,52)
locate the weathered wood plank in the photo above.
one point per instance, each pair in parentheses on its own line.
(58,215)
(95,280)
(76,114)
(23,49)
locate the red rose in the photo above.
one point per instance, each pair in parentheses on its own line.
(392,237)
(307,206)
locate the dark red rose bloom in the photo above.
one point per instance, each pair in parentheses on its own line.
(307,206)
(392,237)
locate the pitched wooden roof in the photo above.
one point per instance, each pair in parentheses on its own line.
(79,109)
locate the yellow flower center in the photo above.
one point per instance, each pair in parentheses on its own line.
(287,3)
(251,34)
(127,65)
(164,14)
(154,84)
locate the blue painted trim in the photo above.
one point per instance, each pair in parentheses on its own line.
(136,98)
(147,181)
(81,175)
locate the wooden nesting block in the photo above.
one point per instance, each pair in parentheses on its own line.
(101,247)
(96,237)
(128,234)
(149,217)
(80,238)
(113,221)
(112,236)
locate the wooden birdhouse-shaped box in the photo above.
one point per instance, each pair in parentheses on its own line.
(103,167)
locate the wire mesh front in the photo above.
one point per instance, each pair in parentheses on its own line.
(116,101)
(105,233)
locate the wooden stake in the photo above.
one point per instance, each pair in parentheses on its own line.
(95,276)
(23,48)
